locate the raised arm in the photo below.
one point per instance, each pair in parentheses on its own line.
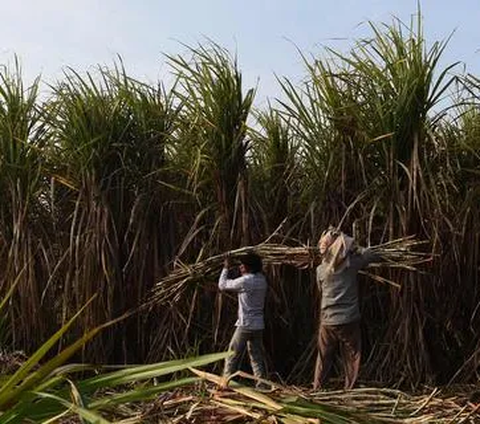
(236,284)
(365,256)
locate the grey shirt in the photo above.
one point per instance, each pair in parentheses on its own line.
(339,289)
(251,289)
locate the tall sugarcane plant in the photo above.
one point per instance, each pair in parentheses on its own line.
(25,227)
(110,135)
(216,110)
(274,171)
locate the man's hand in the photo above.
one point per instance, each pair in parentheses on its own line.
(226,261)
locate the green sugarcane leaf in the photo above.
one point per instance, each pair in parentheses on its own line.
(141,394)
(12,388)
(145,372)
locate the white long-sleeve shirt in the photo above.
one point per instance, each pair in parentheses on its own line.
(251,289)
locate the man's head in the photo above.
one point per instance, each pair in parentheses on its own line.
(250,263)
(327,238)
(335,248)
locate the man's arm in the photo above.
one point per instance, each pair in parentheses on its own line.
(236,284)
(366,256)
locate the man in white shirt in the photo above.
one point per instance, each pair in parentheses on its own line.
(251,287)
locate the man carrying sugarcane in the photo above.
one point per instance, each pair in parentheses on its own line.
(251,287)
(340,310)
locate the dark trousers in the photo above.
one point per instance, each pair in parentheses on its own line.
(347,339)
(252,341)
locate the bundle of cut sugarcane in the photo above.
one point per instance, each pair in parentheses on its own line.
(398,253)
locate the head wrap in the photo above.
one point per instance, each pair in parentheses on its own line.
(336,246)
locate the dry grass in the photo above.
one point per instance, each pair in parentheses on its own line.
(11,361)
(205,403)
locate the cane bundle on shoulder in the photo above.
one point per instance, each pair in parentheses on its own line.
(399,253)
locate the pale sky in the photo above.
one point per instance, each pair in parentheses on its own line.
(49,35)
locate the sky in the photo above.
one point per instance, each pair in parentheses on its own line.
(50,35)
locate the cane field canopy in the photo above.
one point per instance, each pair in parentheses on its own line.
(120,193)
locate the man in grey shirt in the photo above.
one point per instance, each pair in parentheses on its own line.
(251,287)
(340,310)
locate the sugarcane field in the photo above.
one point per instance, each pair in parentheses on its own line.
(175,252)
